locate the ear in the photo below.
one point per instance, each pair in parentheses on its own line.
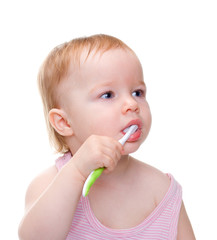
(58,120)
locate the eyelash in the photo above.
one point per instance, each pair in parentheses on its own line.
(107,93)
(142,93)
(110,94)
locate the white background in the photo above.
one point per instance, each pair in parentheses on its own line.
(176,42)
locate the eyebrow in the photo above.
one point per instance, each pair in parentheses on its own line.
(142,83)
(107,84)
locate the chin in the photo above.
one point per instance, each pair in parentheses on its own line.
(131,148)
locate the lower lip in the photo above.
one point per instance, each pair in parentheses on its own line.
(135,136)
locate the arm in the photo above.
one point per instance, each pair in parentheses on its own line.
(185,231)
(51,200)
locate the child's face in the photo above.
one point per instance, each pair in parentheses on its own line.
(106,95)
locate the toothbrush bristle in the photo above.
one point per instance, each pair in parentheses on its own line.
(131,128)
(129,132)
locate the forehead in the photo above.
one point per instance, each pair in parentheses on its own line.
(110,67)
(114,62)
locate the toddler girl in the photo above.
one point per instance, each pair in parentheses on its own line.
(92,89)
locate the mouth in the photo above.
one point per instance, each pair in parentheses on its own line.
(135,136)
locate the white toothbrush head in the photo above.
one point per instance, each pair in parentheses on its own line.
(129,132)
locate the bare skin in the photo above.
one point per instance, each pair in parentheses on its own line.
(105,198)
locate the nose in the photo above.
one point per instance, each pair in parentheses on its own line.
(130,105)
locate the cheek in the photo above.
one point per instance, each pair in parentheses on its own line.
(104,122)
(147,118)
(146,112)
(103,127)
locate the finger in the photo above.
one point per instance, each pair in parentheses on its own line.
(113,144)
(113,149)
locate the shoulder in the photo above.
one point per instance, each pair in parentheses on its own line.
(152,179)
(39,184)
(185,230)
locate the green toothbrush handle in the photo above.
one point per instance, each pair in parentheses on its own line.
(91,180)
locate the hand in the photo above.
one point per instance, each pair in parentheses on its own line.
(97,152)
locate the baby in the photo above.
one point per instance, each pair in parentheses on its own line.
(92,89)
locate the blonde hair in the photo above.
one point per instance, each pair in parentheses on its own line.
(55,68)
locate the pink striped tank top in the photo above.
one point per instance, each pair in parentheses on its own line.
(161,224)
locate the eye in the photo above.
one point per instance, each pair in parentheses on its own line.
(138,93)
(107,95)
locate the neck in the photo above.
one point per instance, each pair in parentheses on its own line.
(119,171)
(112,181)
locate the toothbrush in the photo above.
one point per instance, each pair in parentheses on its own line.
(96,173)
